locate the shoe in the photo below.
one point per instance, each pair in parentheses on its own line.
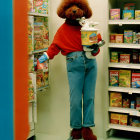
(76,133)
(88,134)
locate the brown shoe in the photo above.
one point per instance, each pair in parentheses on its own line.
(88,134)
(76,133)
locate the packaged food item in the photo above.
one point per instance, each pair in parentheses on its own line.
(119,38)
(125,78)
(126,102)
(124,58)
(129,6)
(137,14)
(31,64)
(39,79)
(114,118)
(115,99)
(128,14)
(114,78)
(134,121)
(128,36)
(135,57)
(114,14)
(132,105)
(41,6)
(135,80)
(138,103)
(30,34)
(30,5)
(114,57)
(112,38)
(123,119)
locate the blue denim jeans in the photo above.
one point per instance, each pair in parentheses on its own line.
(82,74)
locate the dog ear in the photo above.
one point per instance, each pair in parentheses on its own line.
(87,11)
(61,10)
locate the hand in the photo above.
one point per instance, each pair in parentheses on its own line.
(43,58)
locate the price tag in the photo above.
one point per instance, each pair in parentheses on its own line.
(130,92)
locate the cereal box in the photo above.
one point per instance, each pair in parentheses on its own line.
(112,38)
(41,6)
(137,14)
(119,38)
(30,34)
(125,78)
(114,14)
(129,6)
(128,14)
(124,58)
(30,6)
(134,121)
(114,118)
(126,103)
(135,57)
(114,78)
(115,99)
(128,36)
(135,80)
(114,57)
(123,119)
(138,103)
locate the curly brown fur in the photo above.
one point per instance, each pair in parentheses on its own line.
(72,9)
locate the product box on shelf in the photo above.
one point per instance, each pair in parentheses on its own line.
(129,6)
(114,78)
(114,57)
(128,14)
(138,103)
(126,102)
(31,5)
(30,34)
(41,6)
(134,121)
(31,64)
(137,14)
(124,58)
(135,80)
(128,36)
(116,118)
(112,38)
(114,14)
(41,33)
(115,99)
(135,56)
(125,78)
(119,38)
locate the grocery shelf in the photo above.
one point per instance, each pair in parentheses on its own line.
(123,22)
(124,89)
(130,111)
(31,125)
(124,45)
(37,14)
(123,127)
(41,50)
(31,101)
(124,65)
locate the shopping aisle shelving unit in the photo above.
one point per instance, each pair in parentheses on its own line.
(115,26)
(32,53)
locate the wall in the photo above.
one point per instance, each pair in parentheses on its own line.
(53,105)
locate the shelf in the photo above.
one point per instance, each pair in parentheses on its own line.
(37,14)
(123,127)
(41,50)
(124,45)
(31,101)
(123,22)
(125,89)
(124,65)
(130,111)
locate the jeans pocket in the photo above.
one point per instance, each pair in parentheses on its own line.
(70,59)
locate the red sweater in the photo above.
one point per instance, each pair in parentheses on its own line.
(67,39)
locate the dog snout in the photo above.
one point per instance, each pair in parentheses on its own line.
(74,11)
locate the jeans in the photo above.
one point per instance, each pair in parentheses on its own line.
(82,74)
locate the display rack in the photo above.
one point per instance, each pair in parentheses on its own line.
(118,26)
(38,38)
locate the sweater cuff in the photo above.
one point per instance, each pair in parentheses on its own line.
(46,55)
